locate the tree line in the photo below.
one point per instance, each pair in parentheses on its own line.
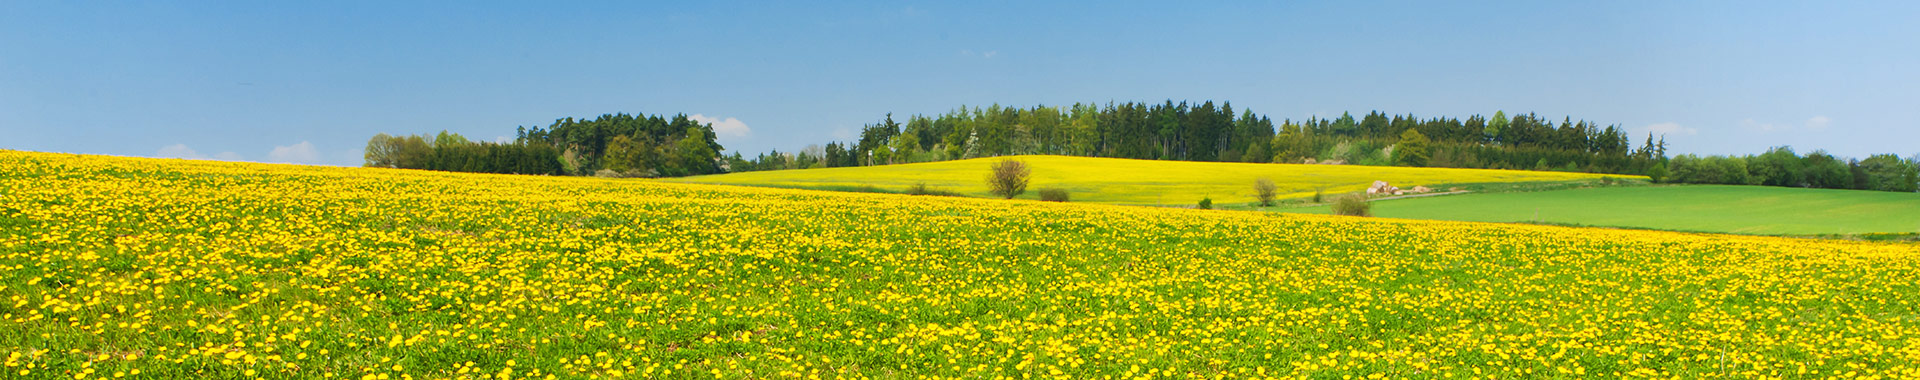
(453,152)
(1780,166)
(1207,131)
(610,145)
(658,146)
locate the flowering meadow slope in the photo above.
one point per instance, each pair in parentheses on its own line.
(1137,182)
(148,268)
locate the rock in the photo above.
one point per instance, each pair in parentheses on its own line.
(1382,187)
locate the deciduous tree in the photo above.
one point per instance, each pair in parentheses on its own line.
(1412,149)
(1008,178)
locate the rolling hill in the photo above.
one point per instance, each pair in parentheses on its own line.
(1127,181)
(169,269)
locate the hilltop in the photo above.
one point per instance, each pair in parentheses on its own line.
(1130,181)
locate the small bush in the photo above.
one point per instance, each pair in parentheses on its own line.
(923,189)
(1265,190)
(1206,203)
(1319,196)
(850,188)
(1009,178)
(608,173)
(1053,195)
(1352,205)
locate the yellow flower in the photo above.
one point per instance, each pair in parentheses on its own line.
(189,264)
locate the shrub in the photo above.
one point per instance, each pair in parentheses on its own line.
(923,189)
(1053,195)
(1319,195)
(1009,178)
(1658,172)
(1265,190)
(609,173)
(1206,203)
(1352,205)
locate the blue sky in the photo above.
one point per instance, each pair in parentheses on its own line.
(310,81)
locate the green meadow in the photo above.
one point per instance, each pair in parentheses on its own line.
(1702,208)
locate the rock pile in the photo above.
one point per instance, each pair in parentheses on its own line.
(1384,188)
(1381,187)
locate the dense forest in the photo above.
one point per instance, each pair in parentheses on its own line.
(1216,132)
(622,145)
(453,152)
(618,145)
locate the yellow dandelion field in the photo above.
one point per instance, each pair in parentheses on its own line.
(117,267)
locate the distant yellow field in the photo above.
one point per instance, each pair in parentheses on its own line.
(1125,181)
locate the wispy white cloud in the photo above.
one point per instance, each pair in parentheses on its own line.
(1759,126)
(1819,122)
(183,151)
(179,151)
(302,153)
(986,54)
(724,127)
(1671,128)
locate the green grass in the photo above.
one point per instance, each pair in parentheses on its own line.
(1729,209)
(1136,182)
